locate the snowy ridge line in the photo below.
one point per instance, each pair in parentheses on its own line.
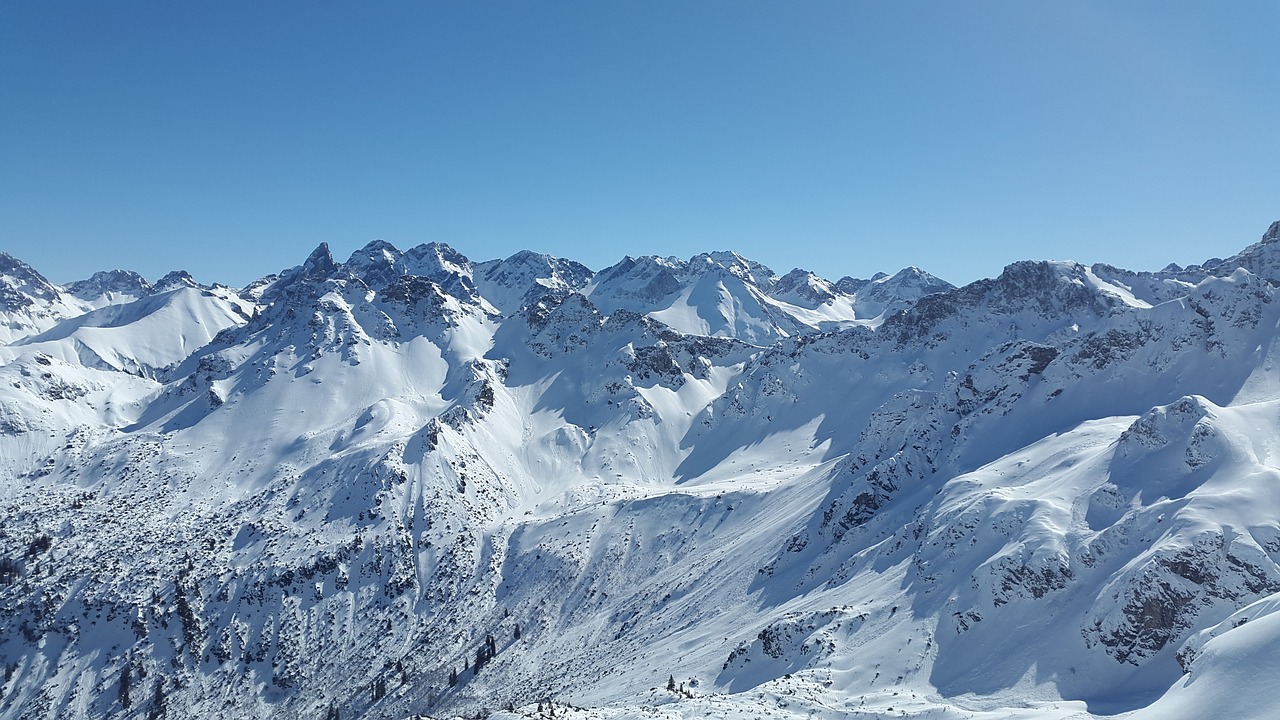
(410,485)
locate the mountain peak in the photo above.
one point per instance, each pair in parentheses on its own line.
(889,293)
(21,285)
(434,258)
(1273,233)
(107,282)
(748,270)
(1261,258)
(524,277)
(378,263)
(175,279)
(375,252)
(527,257)
(803,285)
(377,245)
(319,264)
(1047,285)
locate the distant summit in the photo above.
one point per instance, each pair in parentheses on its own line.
(110,284)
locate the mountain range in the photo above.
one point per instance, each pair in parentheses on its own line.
(410,485)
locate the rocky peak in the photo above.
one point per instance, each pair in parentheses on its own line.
(645,280)
(748,271)
(913,277)
(319,265)
(450,269)
(378,263)
(544,266)
(513,283)
(110,282)
(1054,292)
(305,282)
(560,322)
(645,265)
(805,286)
(1047,287)
(1261,258)
(435,260)
(1272,235)
(21,285)
(174,280)
(556,307)
(890,293)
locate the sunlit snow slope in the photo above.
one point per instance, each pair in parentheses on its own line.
(406,484)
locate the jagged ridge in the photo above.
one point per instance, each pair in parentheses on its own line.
(409,483)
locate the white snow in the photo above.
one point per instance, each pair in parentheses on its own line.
(1050,495)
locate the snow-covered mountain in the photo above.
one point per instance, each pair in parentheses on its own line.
(725,295)
(408,484)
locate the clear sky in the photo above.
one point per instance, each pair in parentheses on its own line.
(229,138)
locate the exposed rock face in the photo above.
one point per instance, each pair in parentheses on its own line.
(805,287)
(21,286)
(409,484)
(513,284)
(174,280)
(121,282)
(887,294)
(1162,600)
(1036,297)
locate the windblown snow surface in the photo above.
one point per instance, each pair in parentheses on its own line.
(408,485)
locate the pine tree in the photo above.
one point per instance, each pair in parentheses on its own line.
(517,632)
(671,683)
(453,677)
(157,702)
(125,679)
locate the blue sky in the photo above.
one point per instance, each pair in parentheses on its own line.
(230,138)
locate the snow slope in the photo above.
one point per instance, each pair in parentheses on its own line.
(409,485)
(724,294)
(144,336)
